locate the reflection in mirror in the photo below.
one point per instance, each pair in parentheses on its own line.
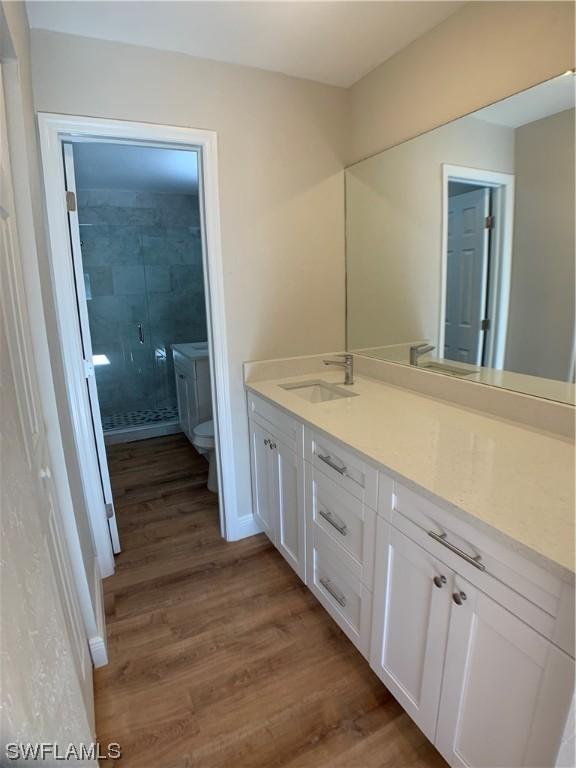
(462,240)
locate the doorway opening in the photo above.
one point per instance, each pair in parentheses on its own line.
(476,265)
(136,239)
(138,285)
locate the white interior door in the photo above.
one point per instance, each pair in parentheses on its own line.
(36,480)
(466,276)
(87,343)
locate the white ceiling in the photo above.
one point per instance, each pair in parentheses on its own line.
(556,95)
(103,165)
(335,42)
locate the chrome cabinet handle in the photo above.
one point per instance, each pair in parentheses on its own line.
(439,581)
(328,460)
(334,521)
(266,441)
(181,376)
(272,445)
(140,333)
(459,597)
(336,594)
(442,539)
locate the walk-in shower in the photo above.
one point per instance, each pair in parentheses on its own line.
(141,249)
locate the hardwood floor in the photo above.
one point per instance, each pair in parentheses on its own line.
(219,656)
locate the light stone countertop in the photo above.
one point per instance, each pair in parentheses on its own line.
(508,478)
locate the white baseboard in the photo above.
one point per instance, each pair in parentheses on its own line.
(98,651)
(97,640)
(245,526)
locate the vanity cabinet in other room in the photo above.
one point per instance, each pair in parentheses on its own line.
(193,394)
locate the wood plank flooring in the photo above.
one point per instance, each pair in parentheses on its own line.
(219,656)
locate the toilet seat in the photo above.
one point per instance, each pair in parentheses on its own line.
(204,435)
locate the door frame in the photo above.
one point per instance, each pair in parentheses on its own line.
(502,185)
(53,130)
(86,341)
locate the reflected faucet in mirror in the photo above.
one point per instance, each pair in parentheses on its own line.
(417,350)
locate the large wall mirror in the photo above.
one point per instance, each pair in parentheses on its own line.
(460,246)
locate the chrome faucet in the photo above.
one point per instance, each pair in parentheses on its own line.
(417,350)
(348,364)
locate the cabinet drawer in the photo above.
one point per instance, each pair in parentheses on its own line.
(343,466)
(526,590)
(345,520)
(342,594)
(278,423)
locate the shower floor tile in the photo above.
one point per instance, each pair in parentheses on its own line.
(139,418)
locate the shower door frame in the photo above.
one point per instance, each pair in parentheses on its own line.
(54,130)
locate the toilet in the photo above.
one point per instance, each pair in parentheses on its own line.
(203,441)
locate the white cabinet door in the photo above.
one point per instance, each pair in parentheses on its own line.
(506,690)
(262,466)
(288,480)
(182,400)
(412,598)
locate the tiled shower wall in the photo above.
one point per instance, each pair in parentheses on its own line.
(142,260)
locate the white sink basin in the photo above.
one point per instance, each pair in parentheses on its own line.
(317,391)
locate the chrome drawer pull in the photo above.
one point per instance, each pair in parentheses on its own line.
(328,460)
(334,521)
(441,539)
(336,594)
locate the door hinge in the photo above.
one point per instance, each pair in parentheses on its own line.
(489,222)
(88,369)
(110,511)
(70,201)
(485,325)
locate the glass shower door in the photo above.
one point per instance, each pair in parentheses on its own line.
(117,307)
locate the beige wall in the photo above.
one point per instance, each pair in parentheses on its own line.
(281,155)
(483,53)
(541,343)
(394,230)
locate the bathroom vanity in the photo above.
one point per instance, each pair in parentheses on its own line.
(441,541)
